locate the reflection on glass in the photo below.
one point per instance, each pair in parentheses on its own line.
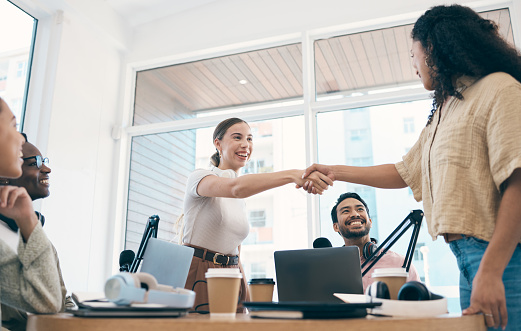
(220,85)
(377,61)
(15,56)
(380,135)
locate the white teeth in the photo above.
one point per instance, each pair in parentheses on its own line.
(44,181)
(355,223)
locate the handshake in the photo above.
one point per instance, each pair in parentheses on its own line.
(316,179)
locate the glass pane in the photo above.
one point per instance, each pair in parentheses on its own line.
(15,56)
(375,61)
(379,135)
(185,90)
(161,163)
(159,167)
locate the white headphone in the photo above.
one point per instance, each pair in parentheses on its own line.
(126,288)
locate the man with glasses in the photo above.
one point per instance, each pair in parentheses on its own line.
(35,179)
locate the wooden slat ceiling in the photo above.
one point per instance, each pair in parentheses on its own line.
(349,63)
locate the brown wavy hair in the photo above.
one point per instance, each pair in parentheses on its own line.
(457,41)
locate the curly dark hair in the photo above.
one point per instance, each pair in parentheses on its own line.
(457,41)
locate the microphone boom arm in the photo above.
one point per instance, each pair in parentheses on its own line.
(414,218)
(150,231)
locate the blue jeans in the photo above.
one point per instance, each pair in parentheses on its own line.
(468,252)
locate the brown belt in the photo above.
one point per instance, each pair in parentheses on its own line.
(216,258)
(451,237)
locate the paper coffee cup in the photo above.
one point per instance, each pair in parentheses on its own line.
(223,291)
(393,277)
(261,289)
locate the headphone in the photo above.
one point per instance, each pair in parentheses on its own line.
(410,291)
(369,248)
(126,288)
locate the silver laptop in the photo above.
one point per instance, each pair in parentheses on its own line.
(169,263)
(315,274)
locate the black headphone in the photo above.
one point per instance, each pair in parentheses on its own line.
(410,291)
(369,248)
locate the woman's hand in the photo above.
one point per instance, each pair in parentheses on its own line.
(315,183)
(310,175)
(16,203)
(488,298)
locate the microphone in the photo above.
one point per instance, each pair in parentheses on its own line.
(322,243)
(125,260)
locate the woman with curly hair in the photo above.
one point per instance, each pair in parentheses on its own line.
(466,165)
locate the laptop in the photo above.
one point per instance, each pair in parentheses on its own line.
(169,263)
(314,275)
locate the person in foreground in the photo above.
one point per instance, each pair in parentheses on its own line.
(350,216)
(215,220)
(35,179)
(466,165)
(29,280)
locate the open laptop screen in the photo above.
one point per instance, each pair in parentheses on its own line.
(315,274)
(169,263)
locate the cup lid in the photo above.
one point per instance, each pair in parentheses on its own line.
(390,272)
(255,281)
(223,272)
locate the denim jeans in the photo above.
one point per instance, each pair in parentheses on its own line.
(468,252)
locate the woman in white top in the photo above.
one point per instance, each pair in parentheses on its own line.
(215,216)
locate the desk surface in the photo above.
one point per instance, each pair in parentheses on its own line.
(196,322)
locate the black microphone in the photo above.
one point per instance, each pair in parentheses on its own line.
(125,260)
(321,243)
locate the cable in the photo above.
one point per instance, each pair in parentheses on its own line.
(202,304)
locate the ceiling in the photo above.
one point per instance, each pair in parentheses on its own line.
(137,12)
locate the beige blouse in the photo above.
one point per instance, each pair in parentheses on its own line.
(459,163)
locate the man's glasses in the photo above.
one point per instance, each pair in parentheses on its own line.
(39,161)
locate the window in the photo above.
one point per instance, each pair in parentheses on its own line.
(408,125)
(21,70)
(15,57)
(201,88)
(373,62)
(257,218)
(358,134)
(418,255)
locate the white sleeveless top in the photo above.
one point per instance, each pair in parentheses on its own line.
(218,224)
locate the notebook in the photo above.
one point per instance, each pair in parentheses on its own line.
(169,263)
(314,275)
(304,310)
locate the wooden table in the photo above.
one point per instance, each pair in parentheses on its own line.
(196,322)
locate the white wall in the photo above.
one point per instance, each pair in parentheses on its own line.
(74,103)
(228,22)
(78,96)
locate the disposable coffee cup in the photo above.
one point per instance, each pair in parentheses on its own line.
(261,289)
(223,291)
(393,277)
